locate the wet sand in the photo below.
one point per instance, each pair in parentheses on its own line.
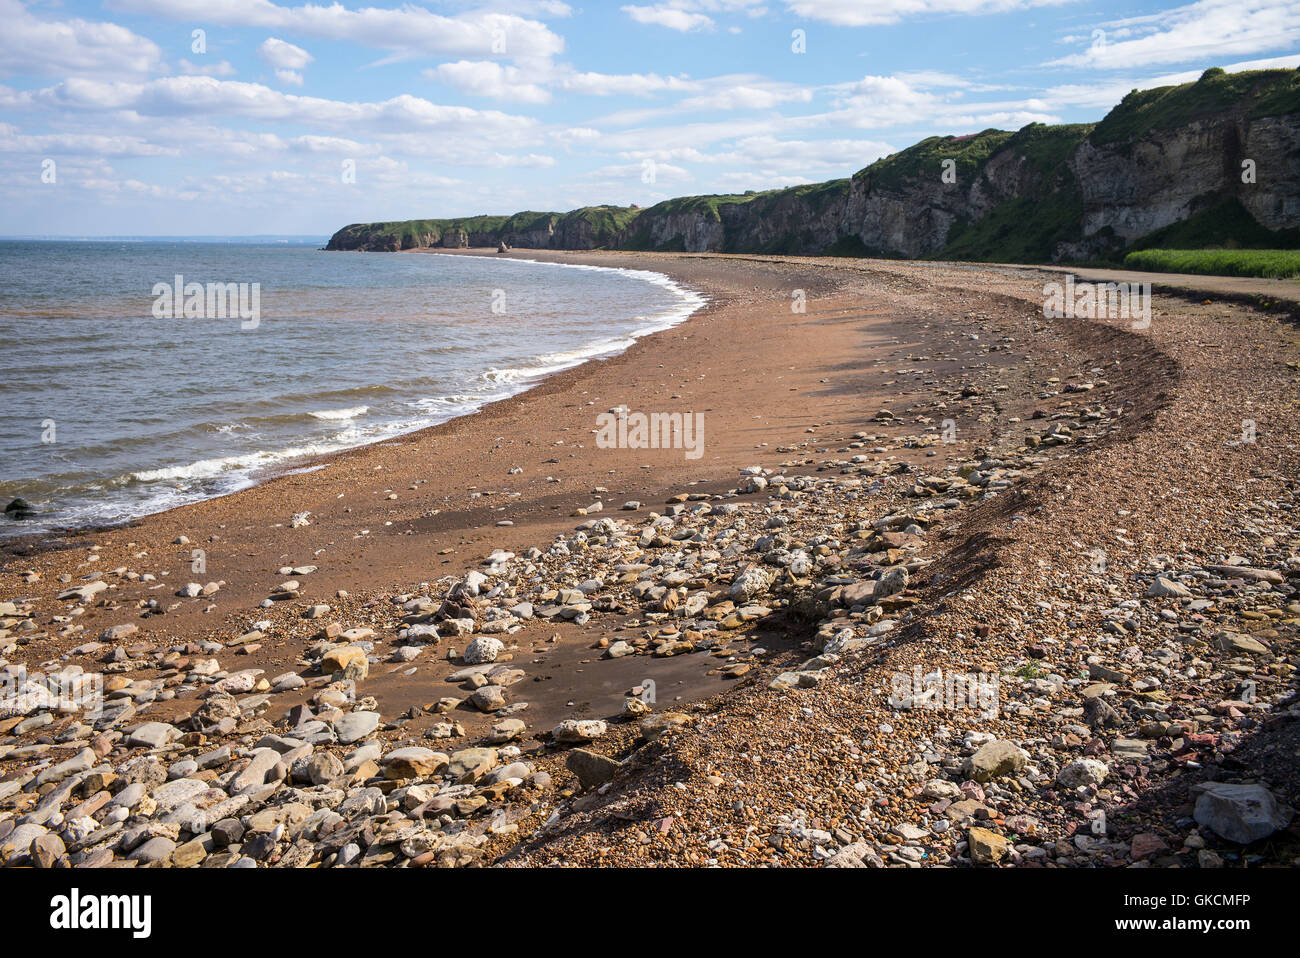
(386,517)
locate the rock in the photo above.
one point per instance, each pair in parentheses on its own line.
(179,792)
(1083,771)
(996,759)
(155,850)
(1239,644)
(322,768)
(482,650)
(572,731)
(754,581)
(592,768)
(262,762)
(986,847)
(413,762)
(19,508)
(859,593)
(84,593)
(349,662)
(893,581)
(1248,573)
(653,726)
(1168,588)
(355,726)
(634,707)
(152,735)
(1239,813)
(489,698)
(1145,845)
(507,730)
(469,765)
(939,789)
(193,852)
(47,851)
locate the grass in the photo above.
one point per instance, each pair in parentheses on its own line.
(1251,93)
(924,160)
(1028,228)
(1224,223)
(1269,263)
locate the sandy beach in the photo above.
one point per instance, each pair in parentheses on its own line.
(1004,490)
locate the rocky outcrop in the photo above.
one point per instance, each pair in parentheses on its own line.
(1218,158)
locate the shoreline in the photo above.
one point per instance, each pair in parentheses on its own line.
(826,467)
(689,300)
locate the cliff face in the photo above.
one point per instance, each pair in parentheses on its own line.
(1164,162)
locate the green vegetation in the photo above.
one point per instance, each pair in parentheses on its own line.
(819,196)
(1048,147)
(924,160)
(1023,230)
(1031,214)
(1224,223)
(708,205)
(1250,93)
(851,246)
(606,222)
(1270,263)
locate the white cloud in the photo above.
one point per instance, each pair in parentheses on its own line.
(490,79)
(279,53)
(1201,31)
(221,69)
(289,77)
(868,13)
(674,18)
(748,96)
(407,30)
(75,47)
(206,96)
(58,144)
(623,84)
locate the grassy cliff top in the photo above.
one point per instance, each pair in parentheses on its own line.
(1254,93)
(925,159)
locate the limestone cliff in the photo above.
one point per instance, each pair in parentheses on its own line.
(1211,162)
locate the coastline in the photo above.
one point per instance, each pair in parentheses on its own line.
(801,395)
(161,486)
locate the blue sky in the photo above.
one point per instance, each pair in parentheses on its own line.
(116,118)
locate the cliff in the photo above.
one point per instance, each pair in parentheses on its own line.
(1164,166)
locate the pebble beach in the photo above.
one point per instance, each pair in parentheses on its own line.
(952,583)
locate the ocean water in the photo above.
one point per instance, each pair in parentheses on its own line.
(112,407)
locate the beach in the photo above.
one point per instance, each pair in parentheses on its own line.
(1003,489)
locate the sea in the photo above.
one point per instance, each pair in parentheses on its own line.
(136,376)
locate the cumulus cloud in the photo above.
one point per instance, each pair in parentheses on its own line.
(279,53)
(406,31)
(207,96)
(674,18)
(221,69)
(489,78)
(624,84)
(75,47)
(869,13)
(1197,32)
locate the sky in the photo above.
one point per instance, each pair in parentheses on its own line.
(243,117)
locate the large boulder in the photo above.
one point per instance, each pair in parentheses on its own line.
(1240,813)
(995,760)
